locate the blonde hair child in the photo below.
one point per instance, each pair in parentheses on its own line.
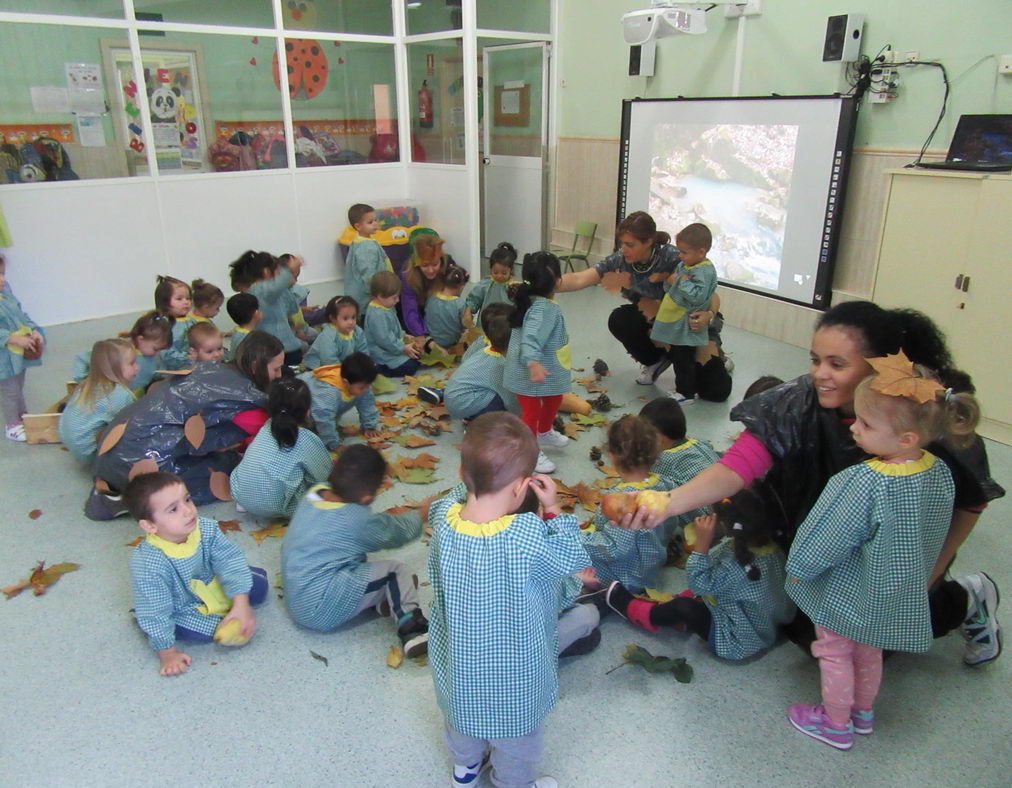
(99,397)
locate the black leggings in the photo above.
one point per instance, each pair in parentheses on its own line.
(683,610)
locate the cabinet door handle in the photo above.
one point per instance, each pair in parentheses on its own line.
(966,284)
(959,282)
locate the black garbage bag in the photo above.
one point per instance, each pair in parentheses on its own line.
(155,423)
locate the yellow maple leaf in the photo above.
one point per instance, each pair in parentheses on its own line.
(395,657)
(275,530)
(897,377)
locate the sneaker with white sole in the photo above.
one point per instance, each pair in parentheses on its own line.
(430,395)
(544,465)
(980,629)
(681,399)
(650,373)
(468,775)
(552,438)
(414,635)
(862,721)
(812,721)
(15,432)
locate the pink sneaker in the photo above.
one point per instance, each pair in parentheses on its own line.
(812,721)
(863,721)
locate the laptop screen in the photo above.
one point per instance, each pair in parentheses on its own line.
(985,139)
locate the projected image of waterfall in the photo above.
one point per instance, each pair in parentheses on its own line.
(735,179)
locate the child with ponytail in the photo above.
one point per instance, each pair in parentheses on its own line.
(860,563)
(538,360)
(735,600)
(285,458)
(150,335)
(99,397)
(444,311)
(494,289)
(173,299)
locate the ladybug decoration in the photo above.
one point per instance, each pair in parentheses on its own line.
(306,62)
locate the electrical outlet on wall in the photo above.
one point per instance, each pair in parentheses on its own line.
(1005,64)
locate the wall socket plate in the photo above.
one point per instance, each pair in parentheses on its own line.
(1005,64)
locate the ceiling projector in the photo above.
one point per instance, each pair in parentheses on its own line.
(665,18)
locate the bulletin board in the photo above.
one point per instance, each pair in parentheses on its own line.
(512,105)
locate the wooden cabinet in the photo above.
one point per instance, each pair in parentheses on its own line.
(946,249)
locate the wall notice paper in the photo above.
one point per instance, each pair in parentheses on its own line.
(509,102)
(166,135)
(49,99)
(84,88)
(90,132)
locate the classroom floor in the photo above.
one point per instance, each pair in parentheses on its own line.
(84,704)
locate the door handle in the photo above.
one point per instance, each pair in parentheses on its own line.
(959,282)
(486,161)
(966,284)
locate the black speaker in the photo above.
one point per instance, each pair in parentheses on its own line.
(843,38)
(642,58)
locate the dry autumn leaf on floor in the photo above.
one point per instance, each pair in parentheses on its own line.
(593,420)
(40,579)
(320,658)
(35,514)
(275,530)
(402,508)
(587,495)
(411,441)
(135,542)
(395,657)
(592,384)
(616,281)
(437,357)
(383,385)
(414,470)
(678,667)
(229,525)
(571,429)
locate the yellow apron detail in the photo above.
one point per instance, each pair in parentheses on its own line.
(17,350)
(565,356)
(669,311)
(216,603)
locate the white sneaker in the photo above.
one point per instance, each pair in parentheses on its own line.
(546,782)
(648,375)
(683,401)
(544,465)
(980,629)
(552,438)
(15,432)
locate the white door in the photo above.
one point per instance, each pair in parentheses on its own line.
(515,122)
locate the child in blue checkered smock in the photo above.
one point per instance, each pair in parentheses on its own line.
(497,585)
(631,557)
(296,298)
(736,600)
(538,360)
(687,290)
(327,577)
(173,301)
(444,311)
(341,337)
(260,274)
(284,459)
(150,335)
(207,300)
(96,401)
(18,334)
(339,388)
(495,289)
(860,562)
(366,256)
(395,354)
(189,581)
(244,309)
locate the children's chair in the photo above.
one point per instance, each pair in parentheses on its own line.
(586,230)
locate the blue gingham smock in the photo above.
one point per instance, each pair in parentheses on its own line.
(365,259)
(270,481)
(863,555)
(631,557)
(495,610)
(331,402)
(323,557)
(384,335)
(681,299)
(238,335)
(746,613)
(444,316)
(79,426)
(177,355)
(14,320)
(680,464)
(167,577)
(272,294)
(486,292)
(333,347)
(475,382)
(542,337)
(146,366)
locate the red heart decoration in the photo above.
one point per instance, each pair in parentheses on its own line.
(252,61)
(256,39)
(191,128)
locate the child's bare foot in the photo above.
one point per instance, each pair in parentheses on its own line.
(173,662)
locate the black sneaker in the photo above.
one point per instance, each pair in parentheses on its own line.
(414,635)
(101,506)
(432,396)
(618,598)
(582,646)
(595,598)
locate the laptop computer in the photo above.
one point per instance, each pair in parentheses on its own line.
(981,143)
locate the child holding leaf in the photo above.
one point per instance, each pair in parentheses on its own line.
(338,388)
(328,580)
(189,581)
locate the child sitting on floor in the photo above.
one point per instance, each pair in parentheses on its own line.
(284,459)
(631,557)
(189,580)
(268,280)
(341,337)
(150,335)
(97,400)
(494,289)
(496,580)
(337,389)
(395,354)
(207,301)
(205,343)
(244,309)
(444,311)
(327,577)
(736,600)
(172,301)
(476,386)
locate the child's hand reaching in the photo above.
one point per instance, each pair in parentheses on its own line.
(706,525)
(589,578)
(424,505)
(411,350)
(545,490)
(536,372)
(172,662)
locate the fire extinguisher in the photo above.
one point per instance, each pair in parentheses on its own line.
(425,106)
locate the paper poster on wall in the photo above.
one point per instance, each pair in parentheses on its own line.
(90,132)
(84,88)
(46,100)
(509,102)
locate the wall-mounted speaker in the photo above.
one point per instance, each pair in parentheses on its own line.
(843,38)
(642,58)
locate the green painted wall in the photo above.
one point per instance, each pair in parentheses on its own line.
(783,54)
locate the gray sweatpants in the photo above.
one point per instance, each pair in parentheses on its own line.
(12,398)
(515,760)
(391,583)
